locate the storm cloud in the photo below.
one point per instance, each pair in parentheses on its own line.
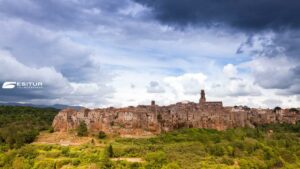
(128,52)
(272,28)
(250,15)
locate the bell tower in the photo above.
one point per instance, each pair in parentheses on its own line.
(202,98)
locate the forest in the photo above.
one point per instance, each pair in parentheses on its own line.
(264,147)
(20,125)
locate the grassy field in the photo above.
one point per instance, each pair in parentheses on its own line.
(265,147)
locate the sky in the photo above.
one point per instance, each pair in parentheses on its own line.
(101,53)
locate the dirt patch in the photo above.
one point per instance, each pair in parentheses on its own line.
(136,136)
(64,139)
(133,160)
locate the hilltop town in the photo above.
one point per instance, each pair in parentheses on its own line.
(152,119)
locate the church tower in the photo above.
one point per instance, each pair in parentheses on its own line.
(202,98)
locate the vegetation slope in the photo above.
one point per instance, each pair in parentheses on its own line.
(265,147)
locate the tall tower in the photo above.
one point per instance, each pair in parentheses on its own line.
(202,98)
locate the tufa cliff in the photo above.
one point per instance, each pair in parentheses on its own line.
(153,119)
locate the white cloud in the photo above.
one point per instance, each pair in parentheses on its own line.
(186,84)
(13,70)
(155,87)
(272,103)
(230,70)
(274,72)
(56,88)
(133,10)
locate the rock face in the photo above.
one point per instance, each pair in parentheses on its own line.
(153,119)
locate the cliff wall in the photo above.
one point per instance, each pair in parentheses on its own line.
(153,119)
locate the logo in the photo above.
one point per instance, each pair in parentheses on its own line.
(9,85)
(22,85)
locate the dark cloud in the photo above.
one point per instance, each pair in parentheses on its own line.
(241,14)
(288,42)
(256,18)
(285,43)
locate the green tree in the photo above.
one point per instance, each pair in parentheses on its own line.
(101,135)
(82,129)
(293,110)
(110,151)
(276,109)
(51,129)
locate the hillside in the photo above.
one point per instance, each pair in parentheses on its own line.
(20,124)
(267,146)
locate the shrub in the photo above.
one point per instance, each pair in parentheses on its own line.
(65,151)
(51,129)
(110,151)
(227,161)
(246,164)
(28,151)
(287,156)
(217,150)
(75,162)
(155,160)
(21,163)
(61,163)
(171,166)
(93,142)
(101,135)
(53,154)
(47,164)
(82,129)
(134,166)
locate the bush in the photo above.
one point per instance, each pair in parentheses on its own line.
(217,150)
(227,161)
(28,151)
(21,163)
(75,162)
(101,135)
(171,166)
(51,129)
(47,164)
(65,151)
(156,160)
(246,164)
(62,162)
(110,151)
(82,129)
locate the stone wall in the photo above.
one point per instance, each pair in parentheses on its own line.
(153,119)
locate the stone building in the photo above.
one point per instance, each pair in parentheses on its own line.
(216,105)
(154,119)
